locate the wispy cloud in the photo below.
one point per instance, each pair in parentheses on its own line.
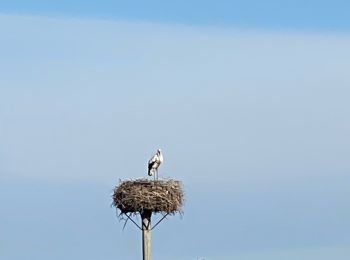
(90,99)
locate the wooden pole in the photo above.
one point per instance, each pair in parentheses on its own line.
(146,235)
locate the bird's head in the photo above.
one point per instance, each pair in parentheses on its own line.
(159,151)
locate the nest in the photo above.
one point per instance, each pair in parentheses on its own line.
(142,195)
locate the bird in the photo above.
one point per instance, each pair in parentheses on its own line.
(154,163)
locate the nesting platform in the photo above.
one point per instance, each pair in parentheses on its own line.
(143,195)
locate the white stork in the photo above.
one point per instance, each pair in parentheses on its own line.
(154,163)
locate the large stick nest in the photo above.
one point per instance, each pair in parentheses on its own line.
(158,196)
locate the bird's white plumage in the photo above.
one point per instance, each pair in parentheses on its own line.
(154,163)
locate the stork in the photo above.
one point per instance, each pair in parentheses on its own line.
(154,163)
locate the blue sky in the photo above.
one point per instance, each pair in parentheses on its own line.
(251,112)
(297,14)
